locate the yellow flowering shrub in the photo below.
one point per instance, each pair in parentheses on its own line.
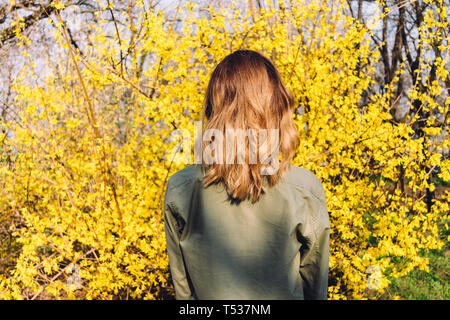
(85,163)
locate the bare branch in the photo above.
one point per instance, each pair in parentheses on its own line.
(43,12)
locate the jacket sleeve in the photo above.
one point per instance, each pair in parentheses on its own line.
(315,261)
(176,261)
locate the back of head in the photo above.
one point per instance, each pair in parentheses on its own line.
(247,103)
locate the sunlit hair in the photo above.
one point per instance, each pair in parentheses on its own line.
(246,92)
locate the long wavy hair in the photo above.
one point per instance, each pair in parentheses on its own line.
(245,91)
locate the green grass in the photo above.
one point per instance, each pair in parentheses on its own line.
(422,285)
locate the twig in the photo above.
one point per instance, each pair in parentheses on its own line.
(93,119)
(118,37)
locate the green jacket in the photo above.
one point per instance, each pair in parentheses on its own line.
(276,248)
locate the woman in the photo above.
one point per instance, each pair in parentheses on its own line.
(240,228)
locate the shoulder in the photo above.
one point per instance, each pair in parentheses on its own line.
(180,187)
(187,175)
(305,179)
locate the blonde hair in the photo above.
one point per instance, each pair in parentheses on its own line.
(246,92)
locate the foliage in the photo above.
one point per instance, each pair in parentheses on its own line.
(421,285)
(85,163)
